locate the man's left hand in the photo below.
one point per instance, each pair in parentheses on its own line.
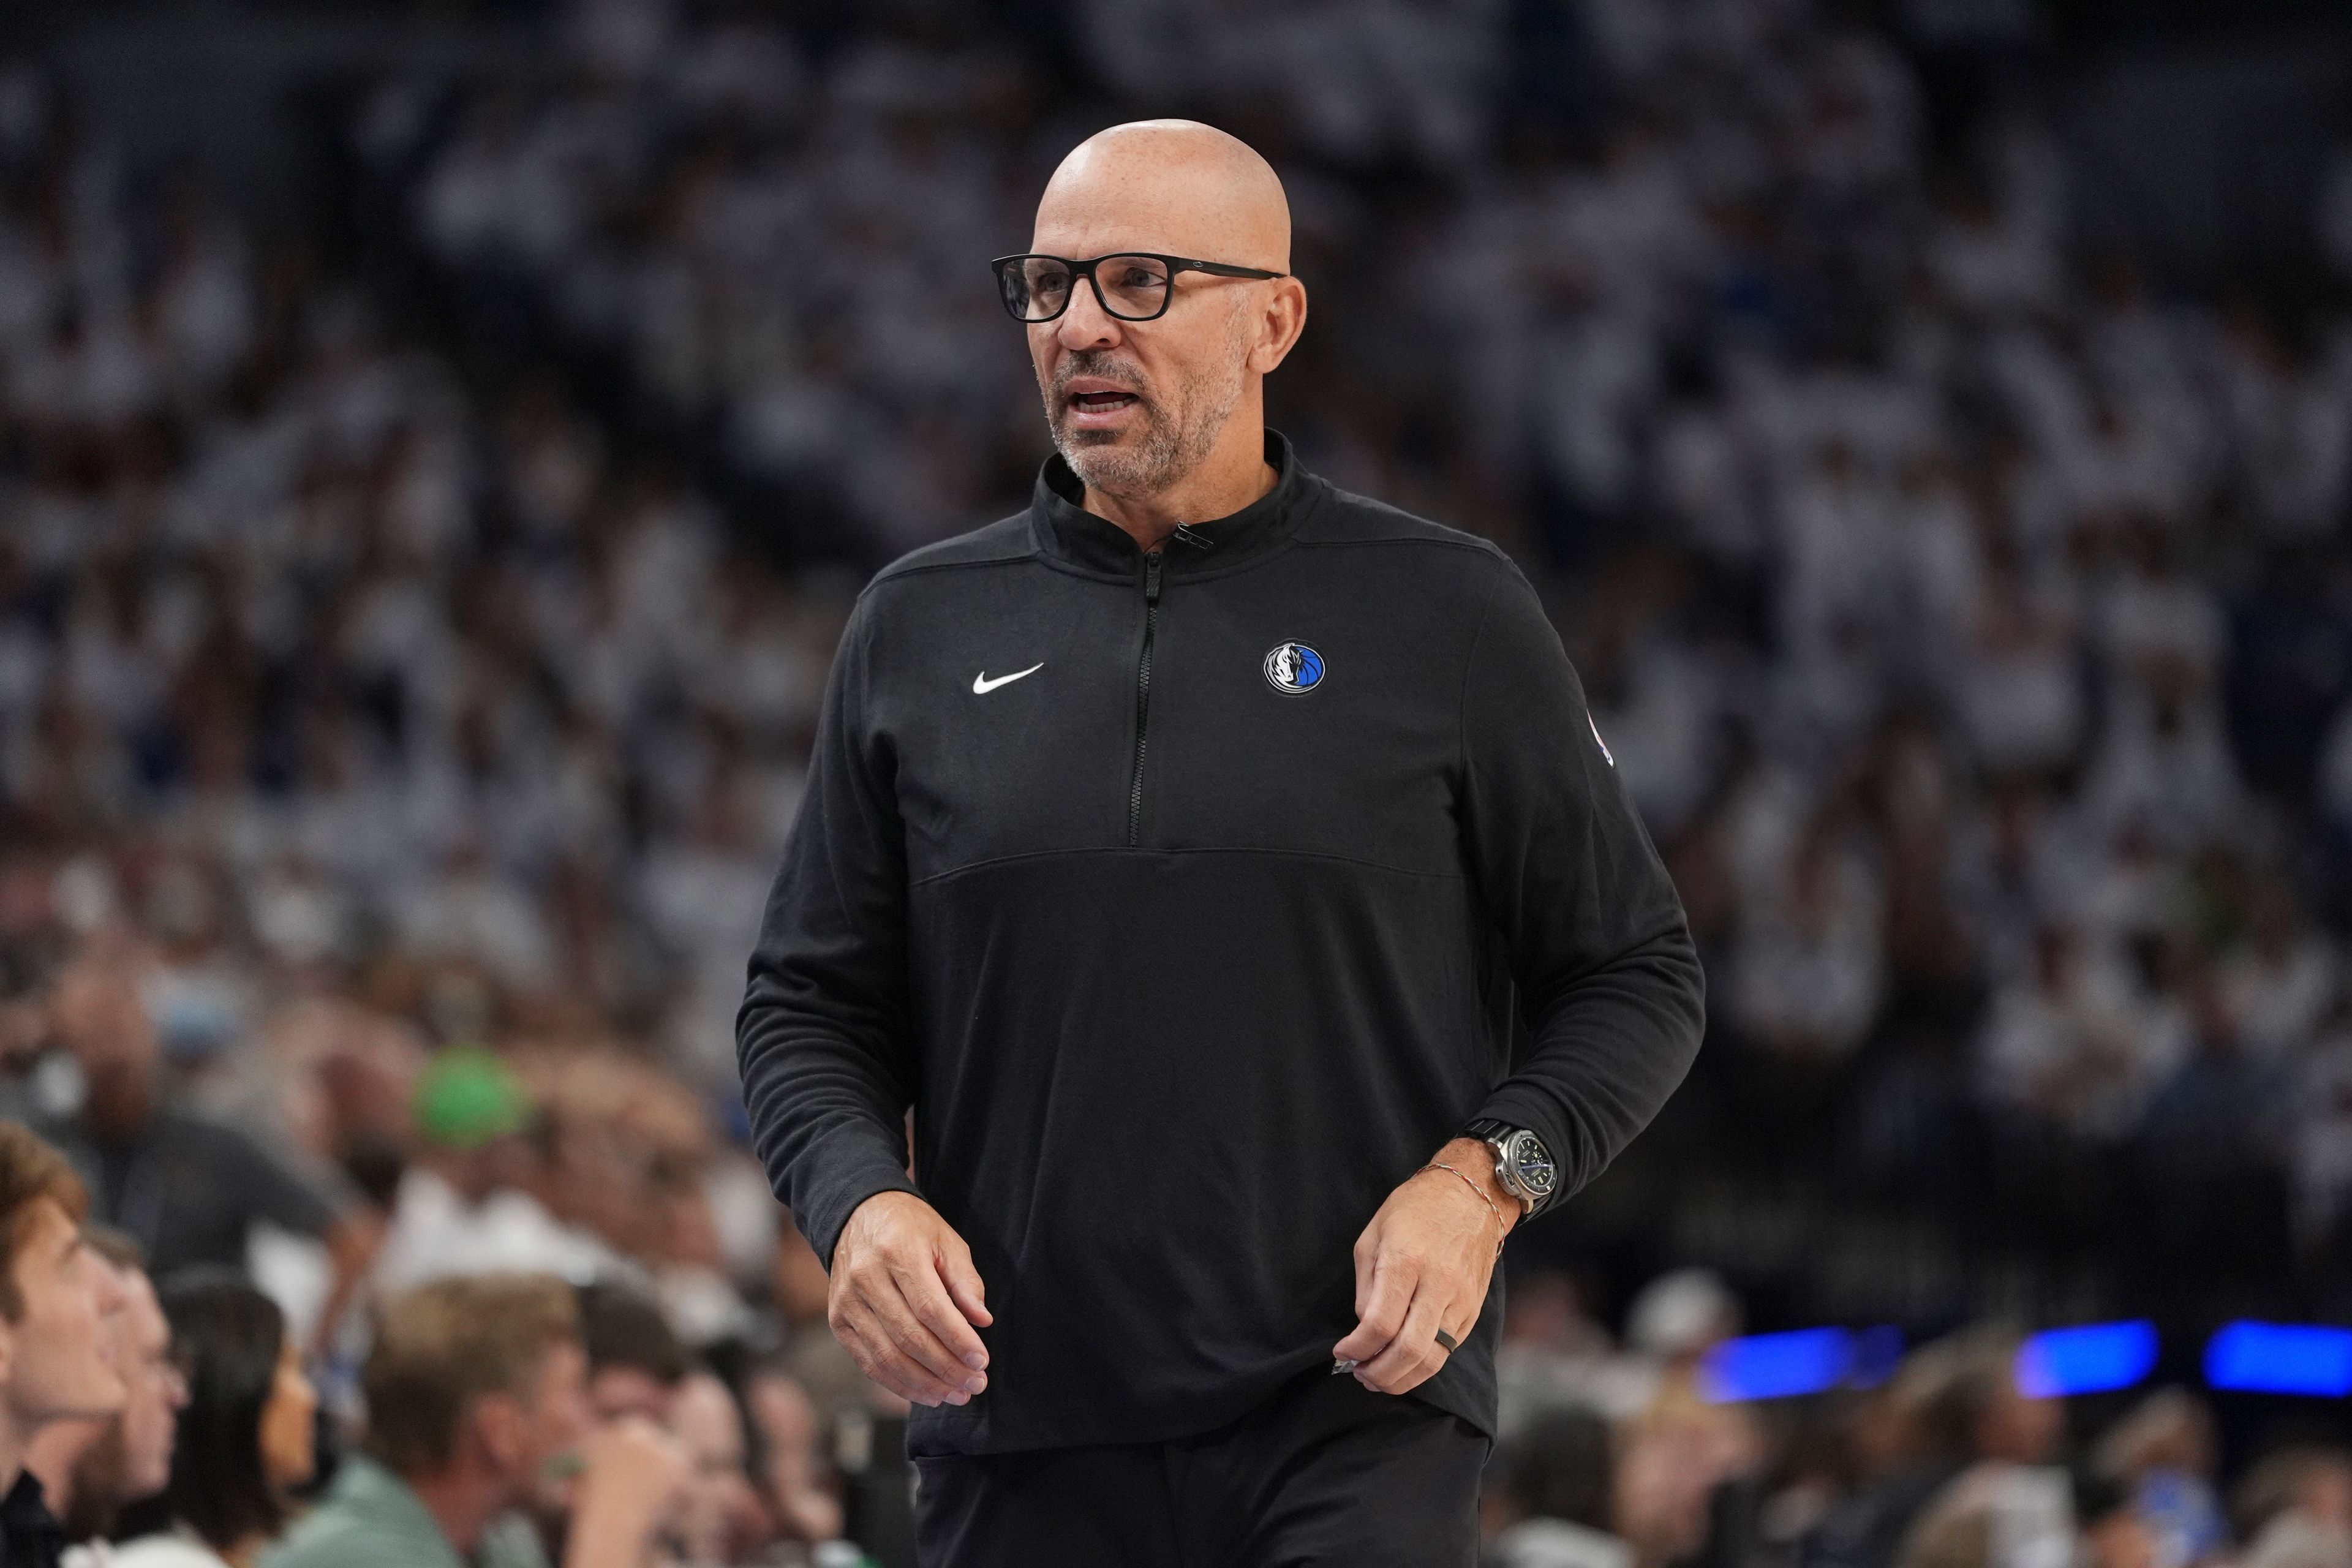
(1424,1265)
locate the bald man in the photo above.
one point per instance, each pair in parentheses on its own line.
(1226,872)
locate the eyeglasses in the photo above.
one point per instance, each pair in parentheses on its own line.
(1133,285)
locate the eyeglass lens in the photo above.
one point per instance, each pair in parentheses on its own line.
(1132,287)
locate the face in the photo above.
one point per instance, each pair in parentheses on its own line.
(788,1426)
(289,1424)
(619,1391)
(718,1495)
(60,1356)
(1135,406)
(2120,1540)
(154,1391)
(538,1436)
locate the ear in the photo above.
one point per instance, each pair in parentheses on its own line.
(1280,322)
(7,1351)
(500,1427)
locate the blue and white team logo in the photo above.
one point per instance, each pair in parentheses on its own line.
(1294,668)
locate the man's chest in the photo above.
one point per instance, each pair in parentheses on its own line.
(1071,715)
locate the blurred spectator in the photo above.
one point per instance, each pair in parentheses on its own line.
(2113,1532)
(636,1363)
(718,1514)
(188,1188)
(2165,1453)
(2009,1506)
(91,1471)
(477,1406)
(788,1458)
(245,1437)
(464,1203)
(56,1297)
(1550,1495)
(2293,1509)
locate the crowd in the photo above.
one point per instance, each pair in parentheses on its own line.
(1956,602)
(514,1419)
(395,744)
(1960,1457)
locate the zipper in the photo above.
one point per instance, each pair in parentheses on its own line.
(1143,696)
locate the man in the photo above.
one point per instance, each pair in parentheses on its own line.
(1226,872)
(477,1406)
(188,1189)
(55,1342)
(636,1360)
(91,1468)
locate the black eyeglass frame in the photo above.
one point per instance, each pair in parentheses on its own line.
(1175,264)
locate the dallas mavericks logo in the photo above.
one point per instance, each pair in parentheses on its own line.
(1294,668)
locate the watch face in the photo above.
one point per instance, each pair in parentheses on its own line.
(1532,1165)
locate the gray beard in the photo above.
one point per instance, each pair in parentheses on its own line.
(1161,453)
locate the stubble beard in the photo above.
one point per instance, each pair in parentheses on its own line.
(1168,445)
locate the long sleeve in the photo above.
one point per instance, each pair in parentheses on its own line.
(1608,982)
(822,1036)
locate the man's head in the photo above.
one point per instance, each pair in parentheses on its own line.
(481,1375)
(636,1360)
(57,1346)
(99,1011)
(1136,406)
(128,1456)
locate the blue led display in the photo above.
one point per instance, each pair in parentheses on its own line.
(1775,1366)
(2280,1358)
(2090,1358)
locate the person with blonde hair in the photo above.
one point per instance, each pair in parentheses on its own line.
(477,1390)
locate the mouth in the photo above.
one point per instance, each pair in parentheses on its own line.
(1091,405)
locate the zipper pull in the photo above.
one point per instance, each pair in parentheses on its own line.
(1197,541)
(1151,578)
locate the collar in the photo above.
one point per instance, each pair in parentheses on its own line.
(367,1491)
(29,1532)
(1067,532)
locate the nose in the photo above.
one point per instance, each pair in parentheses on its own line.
(1085,324)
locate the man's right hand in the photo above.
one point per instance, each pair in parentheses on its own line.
(904,1301)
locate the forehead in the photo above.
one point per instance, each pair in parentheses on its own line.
(143,1315)
(48,1229)
(1109,206)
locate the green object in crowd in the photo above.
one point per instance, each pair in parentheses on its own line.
(468,1097)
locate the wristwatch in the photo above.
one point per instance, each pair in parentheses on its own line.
(1522,1164)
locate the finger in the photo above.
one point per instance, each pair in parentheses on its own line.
(964,1287)
(879,1358)
(889,1298)
(926,1296)
(1383,1310)
(1414,1353)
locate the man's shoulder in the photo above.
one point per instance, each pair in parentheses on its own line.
(1006,541)
(333,1537)
(1346,519)
(362,1523)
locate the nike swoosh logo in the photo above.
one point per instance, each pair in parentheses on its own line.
(980,684)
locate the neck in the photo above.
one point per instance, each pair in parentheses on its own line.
(51,1457)
(461,1503)
(16,1442)
(1231,477)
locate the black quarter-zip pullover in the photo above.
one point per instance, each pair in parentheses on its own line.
(1191,900)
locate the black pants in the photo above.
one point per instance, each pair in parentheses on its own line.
(1327,1473)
